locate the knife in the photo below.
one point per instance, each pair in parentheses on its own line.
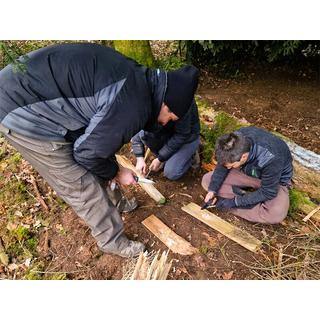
(143,180)
(208,205)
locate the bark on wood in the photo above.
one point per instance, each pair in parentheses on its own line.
(234,233)
(149,188)
(174,242)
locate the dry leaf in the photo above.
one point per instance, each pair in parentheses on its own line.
(227,275)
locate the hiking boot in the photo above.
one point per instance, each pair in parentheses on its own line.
(127,248)
(195,162)
(127,205)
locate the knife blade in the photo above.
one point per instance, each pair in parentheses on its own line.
(143,180)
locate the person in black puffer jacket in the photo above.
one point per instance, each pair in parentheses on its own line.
(72,109)
(251,157)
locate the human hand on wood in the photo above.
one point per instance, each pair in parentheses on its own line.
(210,196)
(155,165)
(125,177)
(141,165)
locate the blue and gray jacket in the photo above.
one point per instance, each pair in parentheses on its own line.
(85,93)
(166,140)
(269,160)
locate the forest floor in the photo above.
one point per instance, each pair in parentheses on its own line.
(58,245)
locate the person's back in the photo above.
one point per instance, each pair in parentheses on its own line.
(64,86)
(266,148)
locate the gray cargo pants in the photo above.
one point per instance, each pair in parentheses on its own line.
(82,190)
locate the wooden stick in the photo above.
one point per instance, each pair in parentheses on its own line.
(149,188)
(39,197)
(240,236)
(174,242)
(311,213)
(147,155)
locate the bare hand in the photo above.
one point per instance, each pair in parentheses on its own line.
(125,177)
(141,165)
(210,195)
(155,165)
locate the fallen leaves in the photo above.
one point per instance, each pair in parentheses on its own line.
(227,275)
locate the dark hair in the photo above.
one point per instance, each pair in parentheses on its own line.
(230,147)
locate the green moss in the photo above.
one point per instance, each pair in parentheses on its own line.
(170,63)
(55,276)
(138,50)
(21,233)
(223,123)
(15,249)
(35,272)
(13,193)
(203,249)
(299,201)
(31,244)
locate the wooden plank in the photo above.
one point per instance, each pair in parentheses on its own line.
(234,233)
(149,188)
(174,242)
(311,213)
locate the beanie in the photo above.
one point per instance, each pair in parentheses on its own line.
(181,87)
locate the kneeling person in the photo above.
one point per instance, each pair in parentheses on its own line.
(175,145)
(251,158)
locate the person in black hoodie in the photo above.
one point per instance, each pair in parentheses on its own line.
(72,109)
(175,145)
(251,158)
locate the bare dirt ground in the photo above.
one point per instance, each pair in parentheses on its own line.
(273,100)
(290,250)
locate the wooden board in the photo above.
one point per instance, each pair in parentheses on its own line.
(314,213)
(174,242)
(234,233)
(149,188)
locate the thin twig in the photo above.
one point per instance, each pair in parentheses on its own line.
(39,197)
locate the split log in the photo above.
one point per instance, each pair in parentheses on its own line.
(149,188)
(234,233)
(149,267)
(174,242)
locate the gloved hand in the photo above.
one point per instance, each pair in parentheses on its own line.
(224,203)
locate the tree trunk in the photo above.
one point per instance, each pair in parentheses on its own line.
(138,50)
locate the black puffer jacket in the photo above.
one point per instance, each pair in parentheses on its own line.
(84,93)
(269,160)
(167,140)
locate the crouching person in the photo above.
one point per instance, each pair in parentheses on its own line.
(175,144)
(256,159)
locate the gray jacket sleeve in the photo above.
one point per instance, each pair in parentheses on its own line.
(217,178)
(137,144)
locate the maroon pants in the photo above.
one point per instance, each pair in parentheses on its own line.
(270,212)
